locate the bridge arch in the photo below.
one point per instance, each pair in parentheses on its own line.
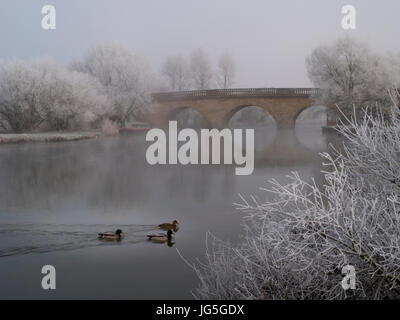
(299,117)
(255,112)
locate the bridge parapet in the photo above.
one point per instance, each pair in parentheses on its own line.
(238,93)
(218,106)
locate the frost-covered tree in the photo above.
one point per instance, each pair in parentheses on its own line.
(41,92)
(226,71)
(176,70)
(125,78)
(201,71)
(21,95)
(348,74)
(296,245)
(393,63)
(74,99)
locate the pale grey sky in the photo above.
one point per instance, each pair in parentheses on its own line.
(269,39)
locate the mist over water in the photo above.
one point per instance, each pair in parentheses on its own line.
(56,197)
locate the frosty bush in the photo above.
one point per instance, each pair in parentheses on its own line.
(295,246)
(348,73)
(125,79)
(34,93)
(74,100)
(21,107)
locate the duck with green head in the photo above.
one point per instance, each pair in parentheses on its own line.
(109,235)
(160,237)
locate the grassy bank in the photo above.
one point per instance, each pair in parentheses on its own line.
(47,137)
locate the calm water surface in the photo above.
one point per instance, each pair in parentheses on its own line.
(56,197)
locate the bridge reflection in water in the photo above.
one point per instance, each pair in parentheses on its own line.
(282,147)
(277,154)
(286,148)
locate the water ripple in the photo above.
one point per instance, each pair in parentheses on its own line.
(17,239)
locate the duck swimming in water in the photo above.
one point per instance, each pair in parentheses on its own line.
(169,226)
(160,237)
(109,235)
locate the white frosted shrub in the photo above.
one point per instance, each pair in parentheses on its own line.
(348,72)
(124,77)
(41,93)
(294,247)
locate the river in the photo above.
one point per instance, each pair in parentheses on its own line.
(56,197)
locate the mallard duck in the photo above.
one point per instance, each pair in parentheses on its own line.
(160,237)
(109,235)
(169,226)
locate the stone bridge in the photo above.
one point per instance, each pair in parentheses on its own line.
(218,106)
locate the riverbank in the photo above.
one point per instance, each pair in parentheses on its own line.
(6,138)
